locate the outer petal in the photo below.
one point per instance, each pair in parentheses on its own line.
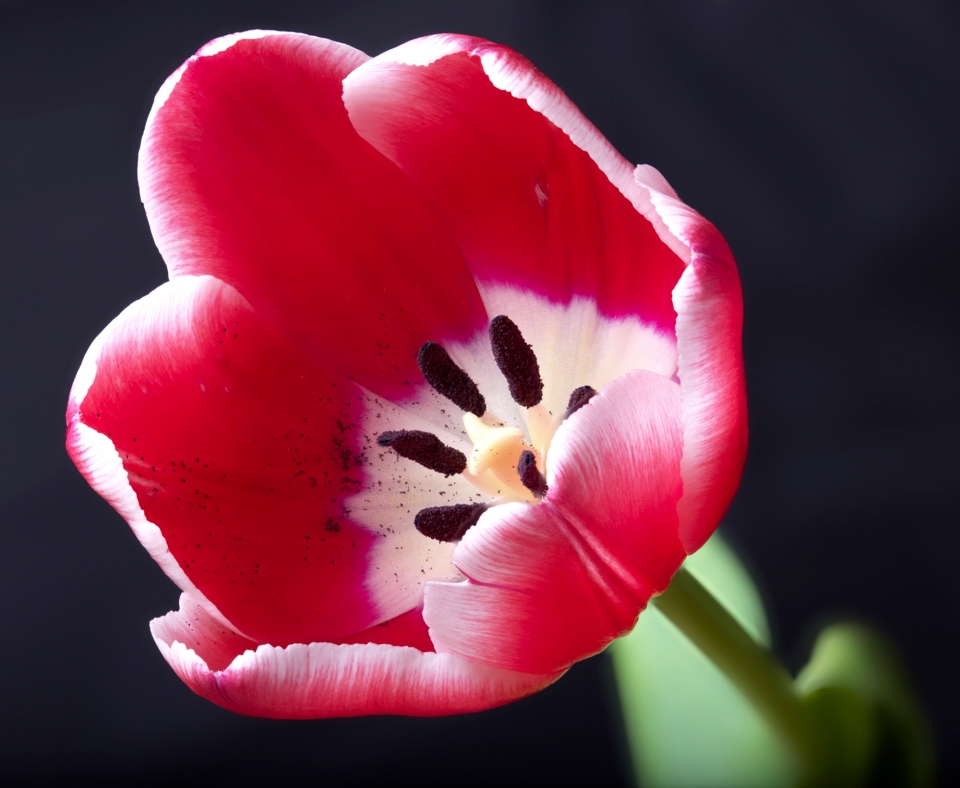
(553,583)
(709,325)
(237,459)
(251,171)
(327,680)
(534,195)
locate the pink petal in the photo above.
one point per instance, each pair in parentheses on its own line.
(533,193)
(553,583)
(213,642)
(234,456)
(251,171)
(709,324)
(327,680)
(614,468)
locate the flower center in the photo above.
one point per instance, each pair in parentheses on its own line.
(505,463)
(498,450)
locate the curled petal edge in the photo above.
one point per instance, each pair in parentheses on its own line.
(96,456)
(709,305)
(316,680)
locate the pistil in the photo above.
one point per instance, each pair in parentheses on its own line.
(498,450)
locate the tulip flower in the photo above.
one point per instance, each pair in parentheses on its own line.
(441,390)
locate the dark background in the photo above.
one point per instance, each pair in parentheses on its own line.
(822,138)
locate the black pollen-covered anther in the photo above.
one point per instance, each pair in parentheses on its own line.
(517,362)
(426,449)
(448,523)
(449,380)
(580,397)
(530,475)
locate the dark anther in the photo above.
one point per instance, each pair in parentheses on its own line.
(449,380)
(530,475)
(516,361)
(578,399)
(448,523)
(426,449)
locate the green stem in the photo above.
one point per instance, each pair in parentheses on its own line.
(750,666)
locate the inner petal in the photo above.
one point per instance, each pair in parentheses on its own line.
(530,208)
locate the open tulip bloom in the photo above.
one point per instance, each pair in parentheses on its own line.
(441,391)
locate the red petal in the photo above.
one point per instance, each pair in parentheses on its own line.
(709,325)
(553,583)
(246,454)
(407,629)
(533,194)
(327,680)
(250,171)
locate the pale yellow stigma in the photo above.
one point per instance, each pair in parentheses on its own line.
(541,426)
(498,450)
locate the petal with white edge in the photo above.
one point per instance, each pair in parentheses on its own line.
(553,583)
(250,471)
(709,308)
(534,195)
(326,680)
(250,171)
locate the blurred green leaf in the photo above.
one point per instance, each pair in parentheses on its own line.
(686,724)
(861,694)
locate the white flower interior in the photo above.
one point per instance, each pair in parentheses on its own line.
(575,346)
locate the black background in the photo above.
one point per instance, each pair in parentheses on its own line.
(824,141)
